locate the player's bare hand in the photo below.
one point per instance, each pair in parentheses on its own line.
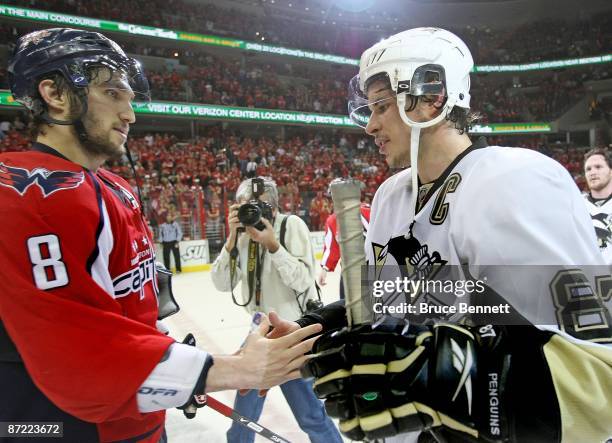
(270,362)
(281,327)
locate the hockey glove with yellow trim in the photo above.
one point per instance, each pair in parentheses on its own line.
(381,383)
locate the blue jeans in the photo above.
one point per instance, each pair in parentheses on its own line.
(307,409)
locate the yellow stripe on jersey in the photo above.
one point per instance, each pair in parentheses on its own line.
(582,375)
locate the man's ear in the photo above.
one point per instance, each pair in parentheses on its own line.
(57,102)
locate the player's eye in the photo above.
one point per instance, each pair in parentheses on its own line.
(381,108)
(112,93)
(375,107)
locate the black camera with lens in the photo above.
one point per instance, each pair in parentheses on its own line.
(313,305)
(251,213)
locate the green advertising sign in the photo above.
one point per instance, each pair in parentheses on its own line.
(108,25)
(554,64)
(6,99)
(510,128)
(216,112)
(245,114)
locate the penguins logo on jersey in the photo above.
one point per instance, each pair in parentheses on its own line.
(414,259)
(603,229)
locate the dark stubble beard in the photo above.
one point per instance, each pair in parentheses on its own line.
(600,186)
(98,142)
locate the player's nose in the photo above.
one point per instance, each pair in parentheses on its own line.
(127,115)
(373,125)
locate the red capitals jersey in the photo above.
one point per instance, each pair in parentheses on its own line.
(331,248)
(78,299)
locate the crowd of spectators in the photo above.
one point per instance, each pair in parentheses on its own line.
(193,75)
(172,171)
(180,177)
(211,80)
(542,39)
(529,98)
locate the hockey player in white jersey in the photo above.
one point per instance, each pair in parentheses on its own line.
(598,173)
(488,212)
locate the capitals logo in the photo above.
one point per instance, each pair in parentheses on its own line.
(21,179)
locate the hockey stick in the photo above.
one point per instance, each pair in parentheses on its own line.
(346,197)
(231,413)
(207,400)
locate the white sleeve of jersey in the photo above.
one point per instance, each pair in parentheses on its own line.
(525,209)
(173,380)
(522,210)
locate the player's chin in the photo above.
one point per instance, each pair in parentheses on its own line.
(396,162)
(116,149)
(118,142)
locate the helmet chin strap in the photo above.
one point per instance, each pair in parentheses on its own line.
(415,135)
(77,122)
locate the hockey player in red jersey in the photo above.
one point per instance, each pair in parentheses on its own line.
(78,307)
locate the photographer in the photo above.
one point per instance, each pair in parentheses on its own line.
(272,255)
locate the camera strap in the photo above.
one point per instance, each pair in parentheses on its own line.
(283,231)
(233,264)
(254,269)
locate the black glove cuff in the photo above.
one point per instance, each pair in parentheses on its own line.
(200,386)
(332,316)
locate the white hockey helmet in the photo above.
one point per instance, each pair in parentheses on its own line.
(416,62)
(420,61)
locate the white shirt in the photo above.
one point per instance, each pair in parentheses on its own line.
(286,273)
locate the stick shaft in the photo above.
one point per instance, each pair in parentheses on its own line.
(243,421)
(347,206)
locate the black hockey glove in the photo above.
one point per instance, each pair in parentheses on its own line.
(167,304)
(380,382)
(196,400)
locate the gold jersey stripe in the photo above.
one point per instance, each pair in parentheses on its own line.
(582,376)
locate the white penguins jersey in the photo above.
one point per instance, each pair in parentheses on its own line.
(601,214)
(514,207)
